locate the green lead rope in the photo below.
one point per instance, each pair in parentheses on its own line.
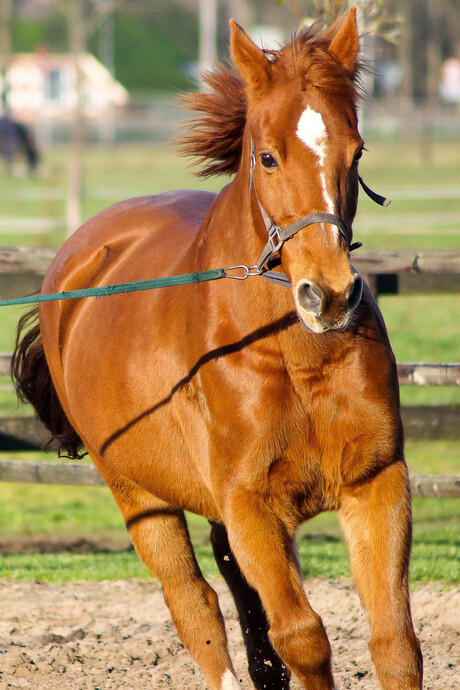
(136,286)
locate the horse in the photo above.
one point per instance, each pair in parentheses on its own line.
(16,137)
(257,404)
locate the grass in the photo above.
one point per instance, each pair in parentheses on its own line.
(90,514)
(423,215)
(70,567)
(417,218)
(425,208)
(423,328)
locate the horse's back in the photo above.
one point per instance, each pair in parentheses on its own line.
(149,234)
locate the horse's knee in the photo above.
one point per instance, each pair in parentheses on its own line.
(196,592)
(305,649)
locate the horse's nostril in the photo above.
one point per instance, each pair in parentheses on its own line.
(310,297)
(356,291)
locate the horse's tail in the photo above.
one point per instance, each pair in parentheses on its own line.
(30,148)
(33,384)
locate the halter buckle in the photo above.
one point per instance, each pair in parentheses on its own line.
(275,239)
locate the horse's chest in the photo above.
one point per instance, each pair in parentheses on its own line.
(335,438)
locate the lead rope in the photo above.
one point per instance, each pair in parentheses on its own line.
(136,286)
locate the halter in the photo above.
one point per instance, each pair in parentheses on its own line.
(277,236)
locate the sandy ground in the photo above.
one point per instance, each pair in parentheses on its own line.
(108,635)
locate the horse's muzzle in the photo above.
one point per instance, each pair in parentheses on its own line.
(322,308)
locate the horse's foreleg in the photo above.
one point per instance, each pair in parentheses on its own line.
(376,520)
(265,552)
(266,669)
(160,536)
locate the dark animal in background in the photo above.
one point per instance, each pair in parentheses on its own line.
(17,139)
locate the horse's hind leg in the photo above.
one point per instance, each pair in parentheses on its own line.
(266,669)
(160,536)
(376,519)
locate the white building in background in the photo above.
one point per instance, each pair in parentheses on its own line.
(450,80)
(43,87)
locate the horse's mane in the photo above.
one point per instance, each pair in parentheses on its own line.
(216,137)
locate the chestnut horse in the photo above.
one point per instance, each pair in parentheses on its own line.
(255,405)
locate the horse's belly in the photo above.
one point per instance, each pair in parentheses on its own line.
(143,425)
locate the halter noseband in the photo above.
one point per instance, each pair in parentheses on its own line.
(277,236)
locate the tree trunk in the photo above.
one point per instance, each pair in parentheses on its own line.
(5,50)
(76,29)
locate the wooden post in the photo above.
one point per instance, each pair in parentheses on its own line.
(208,30)
(107,57)
(76,32)
(5,50)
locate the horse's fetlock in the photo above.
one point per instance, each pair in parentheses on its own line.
(398,660)
(268,672)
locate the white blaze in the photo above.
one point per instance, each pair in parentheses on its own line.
(229,682)
(312,131)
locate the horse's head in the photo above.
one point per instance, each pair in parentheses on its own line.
(301,126)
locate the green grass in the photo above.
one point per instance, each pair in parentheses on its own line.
(423,215)
(424,328)
(90,513)
(70,567)
(32,511)
(116,173)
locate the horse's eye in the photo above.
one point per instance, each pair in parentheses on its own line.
(358,156)
(268,161)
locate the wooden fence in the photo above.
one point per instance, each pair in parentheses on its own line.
(82,474)
(405,272)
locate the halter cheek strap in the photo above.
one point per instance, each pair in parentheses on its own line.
(277,236)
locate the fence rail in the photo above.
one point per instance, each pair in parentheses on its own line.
(429,422)
(80,474)
(409,373)
(22,270)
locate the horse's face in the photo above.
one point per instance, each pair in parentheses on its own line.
(304,128)
(312,168)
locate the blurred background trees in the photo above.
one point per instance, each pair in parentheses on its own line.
(154,47)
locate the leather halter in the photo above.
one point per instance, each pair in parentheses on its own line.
(277,236)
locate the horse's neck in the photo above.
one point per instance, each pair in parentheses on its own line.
(228,238)
(227,233)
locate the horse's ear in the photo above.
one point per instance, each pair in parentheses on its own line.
(249,58)
(344,45)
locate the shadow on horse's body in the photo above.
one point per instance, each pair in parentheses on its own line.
(254,405)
